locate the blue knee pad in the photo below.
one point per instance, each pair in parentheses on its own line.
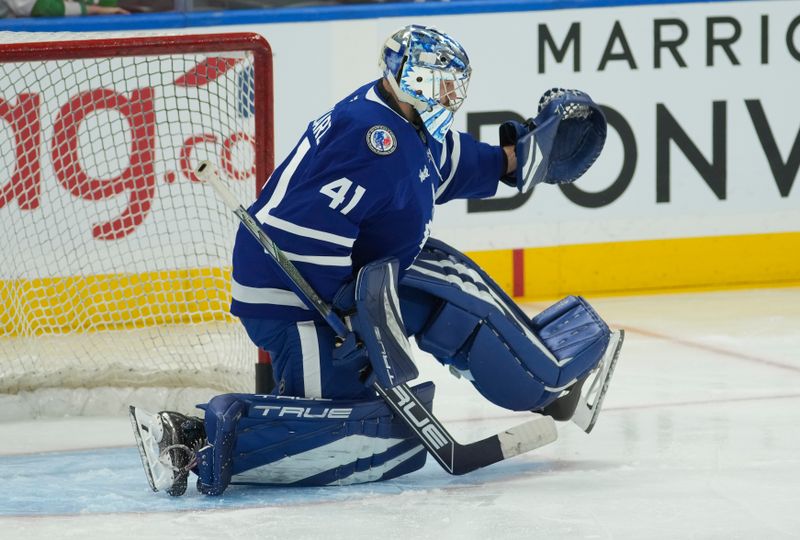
(269,440)
(462,317)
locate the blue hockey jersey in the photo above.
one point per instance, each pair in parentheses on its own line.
(360,185)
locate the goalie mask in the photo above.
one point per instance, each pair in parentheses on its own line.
(428,70)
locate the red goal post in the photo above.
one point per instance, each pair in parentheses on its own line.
(115,262)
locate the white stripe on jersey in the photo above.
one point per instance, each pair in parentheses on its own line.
(265,217)
(321,260)
(455,157)
(265,295)
(305,232)
(443,157)
(285,178)
(309,348)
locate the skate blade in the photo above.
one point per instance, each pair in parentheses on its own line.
(148,435)
(586,414)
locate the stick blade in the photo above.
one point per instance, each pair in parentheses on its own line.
(527,436)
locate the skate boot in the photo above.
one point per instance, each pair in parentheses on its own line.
(563,408)
(168,443)
(583,407)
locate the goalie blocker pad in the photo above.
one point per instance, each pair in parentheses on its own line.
(379,324)
(462,317)
(269,440)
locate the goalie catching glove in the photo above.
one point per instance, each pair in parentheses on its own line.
(569,132)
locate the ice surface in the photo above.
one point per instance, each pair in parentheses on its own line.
(699,438)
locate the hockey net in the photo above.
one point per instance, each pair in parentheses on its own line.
(114,259)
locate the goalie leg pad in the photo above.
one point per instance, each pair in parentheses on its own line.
(471,325)
(278,440)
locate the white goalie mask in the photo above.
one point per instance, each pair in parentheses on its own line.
(428,70)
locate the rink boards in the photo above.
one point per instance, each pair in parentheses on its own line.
(695,188)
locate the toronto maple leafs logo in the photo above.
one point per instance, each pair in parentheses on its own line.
(423,174)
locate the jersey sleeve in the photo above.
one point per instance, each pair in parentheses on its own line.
(470,169)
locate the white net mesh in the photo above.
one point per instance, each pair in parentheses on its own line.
(115,261)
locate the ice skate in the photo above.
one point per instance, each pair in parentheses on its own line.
(167,443)
(588,405)
(563,408)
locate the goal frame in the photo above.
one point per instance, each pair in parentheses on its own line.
(89,46)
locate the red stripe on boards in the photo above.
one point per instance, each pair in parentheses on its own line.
(518,265)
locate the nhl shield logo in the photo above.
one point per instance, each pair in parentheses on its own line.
(381,140)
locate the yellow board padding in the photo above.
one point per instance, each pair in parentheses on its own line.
(498,264)
(113,301)
(669,265)
(120,301)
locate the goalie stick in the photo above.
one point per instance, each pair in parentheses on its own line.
(454,457)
